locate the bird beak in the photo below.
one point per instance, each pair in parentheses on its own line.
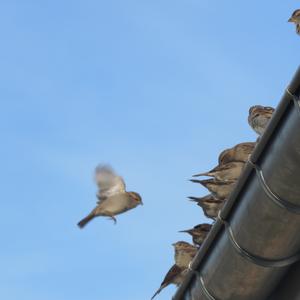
(290,20)
(142,202)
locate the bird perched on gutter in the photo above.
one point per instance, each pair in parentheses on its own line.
(174,276)
(210,205)
(239,152)
(113,199)
(228,171)
(184,254)
(295,18)
(220,189)
(198,233)
(259,117)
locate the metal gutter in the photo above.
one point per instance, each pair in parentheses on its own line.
(289,286)
(256,236)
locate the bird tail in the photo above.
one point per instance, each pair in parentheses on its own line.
(186,231)
(203,174)
(157,292)
(195,199)
(85,220)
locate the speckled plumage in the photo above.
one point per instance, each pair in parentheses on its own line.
(209,204)
(174,276)
(228,171)
(238,153)
(219,189)
(259,117)
(184,253)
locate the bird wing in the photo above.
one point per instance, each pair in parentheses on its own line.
(169,278)
(109,183)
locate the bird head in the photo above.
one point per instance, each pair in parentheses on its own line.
(136,197)
(198,230)
(203,227)
(295,18)
(258,110)
(181,245)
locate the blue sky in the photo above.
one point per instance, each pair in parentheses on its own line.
(155,88)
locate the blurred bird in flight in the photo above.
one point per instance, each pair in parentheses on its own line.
(113,199)
(295,18)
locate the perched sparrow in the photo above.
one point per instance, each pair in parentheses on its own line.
(259,117)
(219,189)
(199,233)
(239,152)
(112,196)
(229,171)
(210,205)
(184,253)
(175,275)
(295,18)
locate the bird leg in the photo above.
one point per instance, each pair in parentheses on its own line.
(113,218)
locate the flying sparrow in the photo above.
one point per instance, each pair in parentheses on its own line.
(259,117)
(184,253)
(295,18)
(199,233)
(112,196)
(228,171)
(175,276)
(239,152)
(219,189)
(210,205)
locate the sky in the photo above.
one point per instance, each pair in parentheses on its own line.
(157,89)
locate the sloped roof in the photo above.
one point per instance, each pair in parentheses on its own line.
(256,237)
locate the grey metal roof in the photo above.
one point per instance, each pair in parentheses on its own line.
(256,237)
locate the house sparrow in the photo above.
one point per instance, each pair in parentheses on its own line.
(210,205)
(199,233)
(228,171)
(112,196)
(239,152)
(259,117)
(295,18)
(175,276)
(184,253)
(219,189)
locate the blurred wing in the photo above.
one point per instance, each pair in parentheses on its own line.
(109,182)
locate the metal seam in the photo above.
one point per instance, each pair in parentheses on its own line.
(293,208)
(257,260)
(205,290)
(296,100)
(207,294)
